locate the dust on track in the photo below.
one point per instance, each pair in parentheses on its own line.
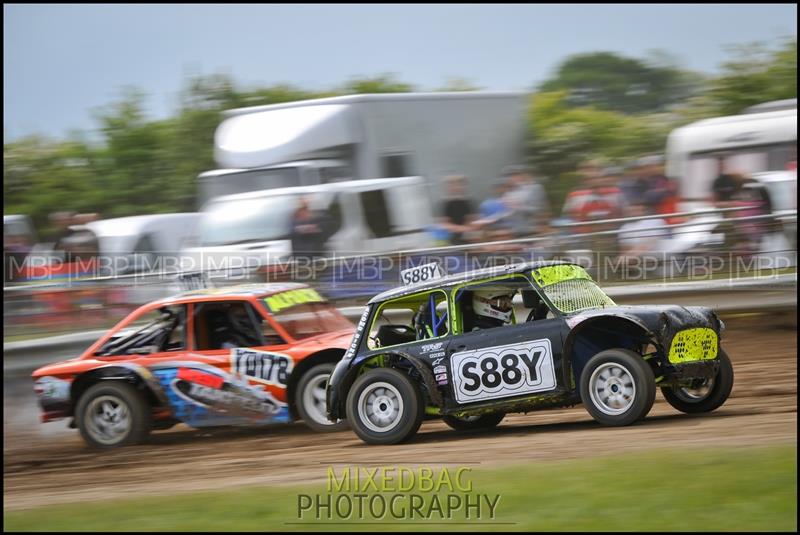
(49,464)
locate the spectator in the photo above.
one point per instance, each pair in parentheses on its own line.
(83,219)
(725,185)
(636,238)
(528,201)
(633,183)
(589,171)
(308,233)
(457,211)
(660,193)
(61,221)
(604,199)
(753,196)
(494,211)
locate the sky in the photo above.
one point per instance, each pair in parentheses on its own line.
(63,62)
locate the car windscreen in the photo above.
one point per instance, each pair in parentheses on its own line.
(235,221)
(570,288)
(254,180)
(303,313)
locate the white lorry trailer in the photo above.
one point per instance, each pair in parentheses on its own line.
(358,137)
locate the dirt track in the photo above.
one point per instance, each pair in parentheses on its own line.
(47,464)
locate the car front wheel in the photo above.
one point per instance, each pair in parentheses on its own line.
(703,395)
(310,399)
(617,387)
(384,407)
(111,414)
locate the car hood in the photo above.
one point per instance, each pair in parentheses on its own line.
(337,339)
(661,321)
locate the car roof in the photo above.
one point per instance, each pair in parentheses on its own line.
(467,276)
(241,291)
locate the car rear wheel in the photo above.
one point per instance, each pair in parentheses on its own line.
(468,423)
(310,399)
(113,413)
(703,395)
(617,387)
(384,407)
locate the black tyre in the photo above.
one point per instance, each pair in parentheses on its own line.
(309,399)
(113,413)
(469,423)
(705,395)
(384,407)
(617,387)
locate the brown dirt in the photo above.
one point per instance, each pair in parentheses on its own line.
(49,464)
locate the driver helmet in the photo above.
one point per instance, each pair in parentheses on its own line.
(493,304)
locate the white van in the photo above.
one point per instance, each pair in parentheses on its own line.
(144,242)
(365,216)
(763,138)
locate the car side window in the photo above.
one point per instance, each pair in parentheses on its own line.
(409,319)
(496,303)
(271,336)
(226,325)
(156,331)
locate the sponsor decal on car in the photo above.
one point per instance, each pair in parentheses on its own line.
(427,348)
(357,335)
(503,371)
(282,300)
(264,367)
(52,388)
(222,393)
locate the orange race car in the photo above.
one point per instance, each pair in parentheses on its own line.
(258,354)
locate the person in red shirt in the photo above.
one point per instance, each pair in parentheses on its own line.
(604,199)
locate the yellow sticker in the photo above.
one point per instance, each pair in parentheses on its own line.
(283,300)
(691,345)
(545,276)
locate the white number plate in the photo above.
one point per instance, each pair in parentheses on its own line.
(503,371)
(422,273)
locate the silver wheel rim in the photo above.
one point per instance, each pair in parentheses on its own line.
(314,399)
(108,419)
(696,394)
(612,388)
(380,407)
(469,419)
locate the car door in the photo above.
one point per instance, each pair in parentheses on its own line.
(505,362)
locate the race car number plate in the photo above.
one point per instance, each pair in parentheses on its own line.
(422,273)
(503,371)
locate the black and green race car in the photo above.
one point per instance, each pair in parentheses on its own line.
(472,347)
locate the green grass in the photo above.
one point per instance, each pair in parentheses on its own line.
(688,489)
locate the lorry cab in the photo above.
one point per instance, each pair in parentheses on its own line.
(221,182)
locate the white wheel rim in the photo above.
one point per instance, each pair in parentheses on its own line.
(314,399)
(380,407)
(612,388)
(697,394)
(108,419)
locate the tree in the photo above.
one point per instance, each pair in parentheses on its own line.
(756,74)
(562,136)
(456,83)
(612,82)
(385,83)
